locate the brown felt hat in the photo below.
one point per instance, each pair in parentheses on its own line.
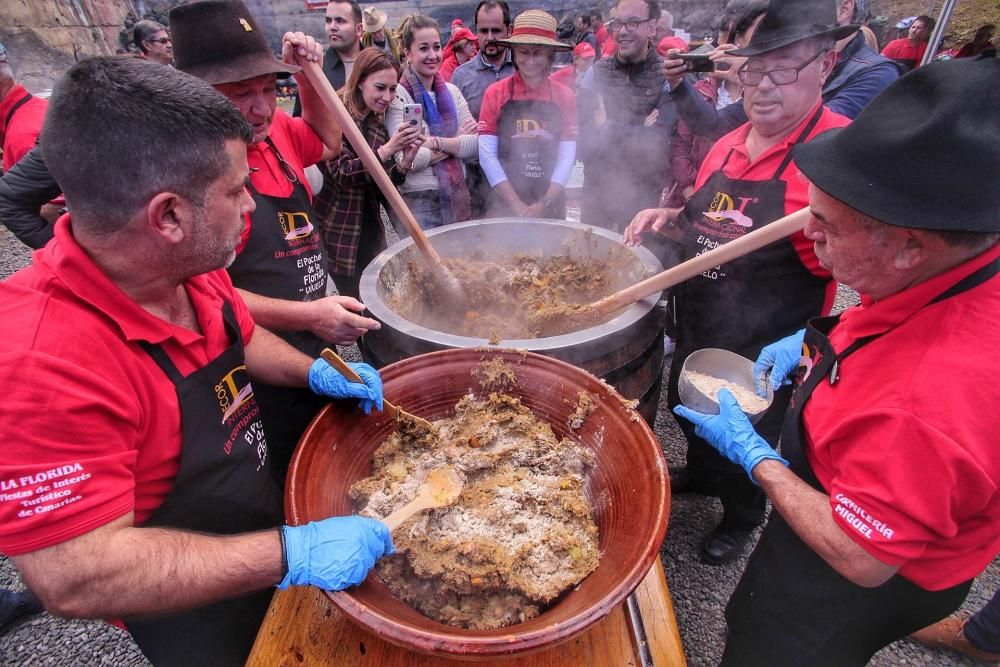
(219,41)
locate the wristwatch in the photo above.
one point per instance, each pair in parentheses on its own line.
(545,202)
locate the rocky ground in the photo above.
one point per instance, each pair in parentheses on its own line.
(699,591)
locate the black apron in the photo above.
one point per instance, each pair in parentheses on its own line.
(790,607)
(740,306)
(284,259)
(528,133)
(223,486)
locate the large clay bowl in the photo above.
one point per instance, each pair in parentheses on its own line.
(628,484)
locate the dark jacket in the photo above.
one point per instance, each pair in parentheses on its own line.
(23,191)
(623,155)
(335,72)
(859,75)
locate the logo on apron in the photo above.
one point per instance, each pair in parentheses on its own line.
(811,357)
(233,391)
(726,217)
(530,129)
(296,225)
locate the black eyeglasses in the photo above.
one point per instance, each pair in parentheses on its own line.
(161,40)
(286,169)
(614,25)
(781,76)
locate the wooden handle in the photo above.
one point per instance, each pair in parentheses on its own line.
(744,245)
(324,90)
(397,518)
(334,360)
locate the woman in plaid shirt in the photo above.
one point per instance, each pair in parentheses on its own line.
(349,204)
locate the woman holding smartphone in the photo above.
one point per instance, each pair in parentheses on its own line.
(349,205)
(435,187)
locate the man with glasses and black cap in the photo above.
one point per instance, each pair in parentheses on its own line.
(748,180)
(858,76)
(886,494)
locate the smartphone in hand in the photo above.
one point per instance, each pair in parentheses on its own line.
(413,114)
(696,62)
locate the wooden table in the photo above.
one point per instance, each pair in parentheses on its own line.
(302,627)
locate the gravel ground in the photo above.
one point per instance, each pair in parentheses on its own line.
(699,591)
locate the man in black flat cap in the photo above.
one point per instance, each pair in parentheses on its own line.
(748,180)
(886,495)
(859,74)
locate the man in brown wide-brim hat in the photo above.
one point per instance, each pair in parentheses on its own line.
(280,267)
(885,495)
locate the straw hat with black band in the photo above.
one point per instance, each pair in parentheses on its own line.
(219,41)
(790,21)
(535,28)
(941,121)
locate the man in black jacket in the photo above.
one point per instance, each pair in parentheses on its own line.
(626,120)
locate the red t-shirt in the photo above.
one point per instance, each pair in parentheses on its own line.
(565,76)
(501,92)
(905,441)
(730,154)
(300,147)
(92,426)
(902,49)
(25,124)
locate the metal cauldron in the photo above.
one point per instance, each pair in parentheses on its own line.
(626,351)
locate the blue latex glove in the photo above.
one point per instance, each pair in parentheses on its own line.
(325,380)
(335,553)
(731,433)
(781,358)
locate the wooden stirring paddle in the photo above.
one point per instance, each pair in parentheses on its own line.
(695,266)
(393,411)
(377,172)
(442,487)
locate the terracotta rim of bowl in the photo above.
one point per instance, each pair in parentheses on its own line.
(476,645)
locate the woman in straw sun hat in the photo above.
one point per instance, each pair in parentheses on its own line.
(527,126)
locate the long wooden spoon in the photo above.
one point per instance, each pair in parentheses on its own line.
(393,411)
(376,171)
(442,487)
(695,266)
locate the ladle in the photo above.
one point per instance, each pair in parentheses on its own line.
(393,411)
(442,487)
(695,266)
(377,172)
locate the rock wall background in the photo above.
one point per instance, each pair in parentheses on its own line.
(44,37)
